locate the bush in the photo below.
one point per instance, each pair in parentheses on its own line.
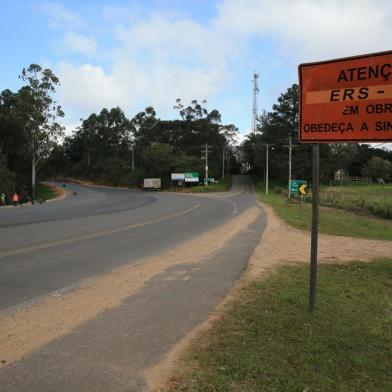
(7,183)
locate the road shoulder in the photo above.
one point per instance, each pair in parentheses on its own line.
(25,332)
(279,244)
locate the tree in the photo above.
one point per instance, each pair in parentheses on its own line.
(100,146)
(12,135)
(146,126)
(364,153)
(147,143)
(40,112)
(344,154)
(285,114)
(158,159)
(192,112)
(378,168)
(275,129)
(7,179)
(195,111)
(229,132)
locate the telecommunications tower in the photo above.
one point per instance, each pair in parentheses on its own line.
(255,95)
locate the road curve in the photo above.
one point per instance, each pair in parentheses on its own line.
(49,247)
(112,332)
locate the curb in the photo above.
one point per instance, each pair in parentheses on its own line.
(62,195)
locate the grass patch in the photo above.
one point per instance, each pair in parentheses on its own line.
(331,221)
(267,341)
(375,198)
(45,192)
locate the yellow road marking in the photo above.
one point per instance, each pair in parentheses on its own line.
(94,235)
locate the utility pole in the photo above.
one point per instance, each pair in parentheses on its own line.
(223,163)
(255,107)
(133,159)
(290,147)
(266,170)
(266,167)
(206,158)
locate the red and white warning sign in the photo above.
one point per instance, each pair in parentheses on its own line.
(348,99)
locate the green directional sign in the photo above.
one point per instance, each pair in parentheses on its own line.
(191,177)
(298,186)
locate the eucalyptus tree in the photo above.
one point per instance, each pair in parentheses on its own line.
(102,140)
(12,137)
(40,110)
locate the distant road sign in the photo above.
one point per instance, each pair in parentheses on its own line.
(296,184)
(302,189)
(192,177)
(177,176)
(348,99)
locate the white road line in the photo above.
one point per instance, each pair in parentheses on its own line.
(235,206)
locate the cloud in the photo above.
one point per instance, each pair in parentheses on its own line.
(132,86)
(60,17)
(122,13)
(80,43)
(86,88)
(156,61)
(312,29)
(151,58)
(185,41)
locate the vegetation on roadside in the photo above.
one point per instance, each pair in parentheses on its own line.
(109,147)
(331,221)
(277,130)
(266,340)
(106,147)
(45,192)
(375,199)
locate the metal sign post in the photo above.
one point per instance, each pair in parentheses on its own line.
(342,100)
(315,219)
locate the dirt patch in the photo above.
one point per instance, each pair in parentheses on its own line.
(24,330)
(280,245)
(283,244)
(89,183)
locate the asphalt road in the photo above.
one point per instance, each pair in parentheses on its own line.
(49,247)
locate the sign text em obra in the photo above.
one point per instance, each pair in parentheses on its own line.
(346,99)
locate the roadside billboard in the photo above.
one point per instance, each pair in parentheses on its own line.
(177,176)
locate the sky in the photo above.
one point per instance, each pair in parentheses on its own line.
(133,54)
